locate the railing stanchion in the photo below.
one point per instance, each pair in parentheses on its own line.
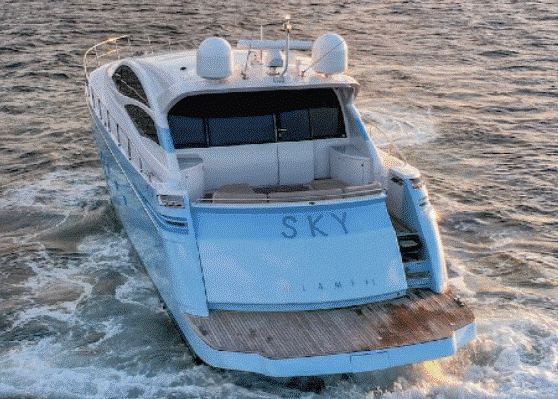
(110,50)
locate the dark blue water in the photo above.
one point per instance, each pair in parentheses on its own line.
(466,88)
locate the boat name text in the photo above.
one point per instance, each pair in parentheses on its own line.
(294,226)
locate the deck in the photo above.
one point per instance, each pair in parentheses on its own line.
(420,316)
(322,189)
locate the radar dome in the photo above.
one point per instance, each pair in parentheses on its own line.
(214,59)
(329,54)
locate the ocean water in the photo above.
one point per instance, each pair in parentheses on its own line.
(466,89)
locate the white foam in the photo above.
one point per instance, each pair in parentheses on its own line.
(39,371)
(104,250)
(389,125)
(61,189)
(42,370)
(62,365)
(510,359)
(56,291)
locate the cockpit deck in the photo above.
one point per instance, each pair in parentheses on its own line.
(322,189)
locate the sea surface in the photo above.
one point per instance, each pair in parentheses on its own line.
(466,89)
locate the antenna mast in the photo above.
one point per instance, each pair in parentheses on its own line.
(288,27)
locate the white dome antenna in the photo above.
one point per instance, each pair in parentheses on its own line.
(214,59)
(329,54)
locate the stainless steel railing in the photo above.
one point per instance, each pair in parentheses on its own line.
(119,47)
(128,143)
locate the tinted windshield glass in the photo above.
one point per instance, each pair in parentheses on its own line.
(325,122)
(237,130)
(293,125)
(128,83)
(187,131)
(143,122)
(255,118)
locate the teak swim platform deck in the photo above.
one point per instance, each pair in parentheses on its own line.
(420,316)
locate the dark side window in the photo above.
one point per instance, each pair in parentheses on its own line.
(128,84)
(255,118)
(237,130)
(187,131)
(293,125)
(143,122)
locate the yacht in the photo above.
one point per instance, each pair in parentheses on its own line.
(280,238)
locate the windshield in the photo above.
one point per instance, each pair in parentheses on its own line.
(255,118)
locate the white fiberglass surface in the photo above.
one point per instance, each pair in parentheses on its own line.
(288,255)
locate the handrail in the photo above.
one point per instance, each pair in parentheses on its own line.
(371,189)
(93,51)
(115,48)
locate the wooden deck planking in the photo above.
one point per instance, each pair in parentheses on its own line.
(420,316)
